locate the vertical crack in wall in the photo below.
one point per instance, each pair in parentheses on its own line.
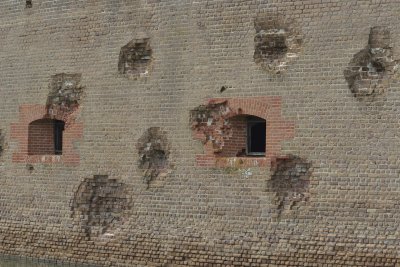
(154,150)
(290,181)
(135,58)
(211,121)
(277,42)
(100,205)
(370,70)
(65,94)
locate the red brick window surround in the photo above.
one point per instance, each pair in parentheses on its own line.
(222,124)
(37,138)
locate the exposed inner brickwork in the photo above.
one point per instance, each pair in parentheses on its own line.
(99,205)
(28,4)
(65,93)
(135,58)
(154,150)
(212,125)
(290,181)
(371,69)
(276,42)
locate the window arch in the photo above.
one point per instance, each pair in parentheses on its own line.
(45,137)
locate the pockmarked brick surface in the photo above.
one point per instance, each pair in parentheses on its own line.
(126,78)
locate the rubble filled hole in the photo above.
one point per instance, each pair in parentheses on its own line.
(28,4)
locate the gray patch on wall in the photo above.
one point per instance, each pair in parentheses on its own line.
(65,92)
(154,150)
(277,42)
(100,205)
(290,181)
(370,70)
(135,58)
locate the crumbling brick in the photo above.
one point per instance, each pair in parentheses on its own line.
(100,204)
(135,58)
(212,121)
(154,150)
(290,181)
(65,94)
(370,70)
(276,42)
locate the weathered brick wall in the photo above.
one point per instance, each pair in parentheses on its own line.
(330,93)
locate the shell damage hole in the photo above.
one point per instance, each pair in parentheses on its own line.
(370,70)
(2,137)
(154,150)
(290,181)
(65,95)
(276,42)
(100,205)
(135,58)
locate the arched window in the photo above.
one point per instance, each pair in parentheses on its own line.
(247,137)
(45,137)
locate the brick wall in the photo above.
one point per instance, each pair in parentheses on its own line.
(235,144)
(41,137)
(205,210)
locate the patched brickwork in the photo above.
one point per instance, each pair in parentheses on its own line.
(212,124)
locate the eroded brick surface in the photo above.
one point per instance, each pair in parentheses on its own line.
(290,181)
(99,205)
(276,43)
(370,71)
(154,150)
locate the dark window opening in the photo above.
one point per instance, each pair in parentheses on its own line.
(58,136)
(28,4)
(256,136)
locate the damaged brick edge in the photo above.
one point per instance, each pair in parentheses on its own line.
(79,209)
(295,188)
(268,108)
